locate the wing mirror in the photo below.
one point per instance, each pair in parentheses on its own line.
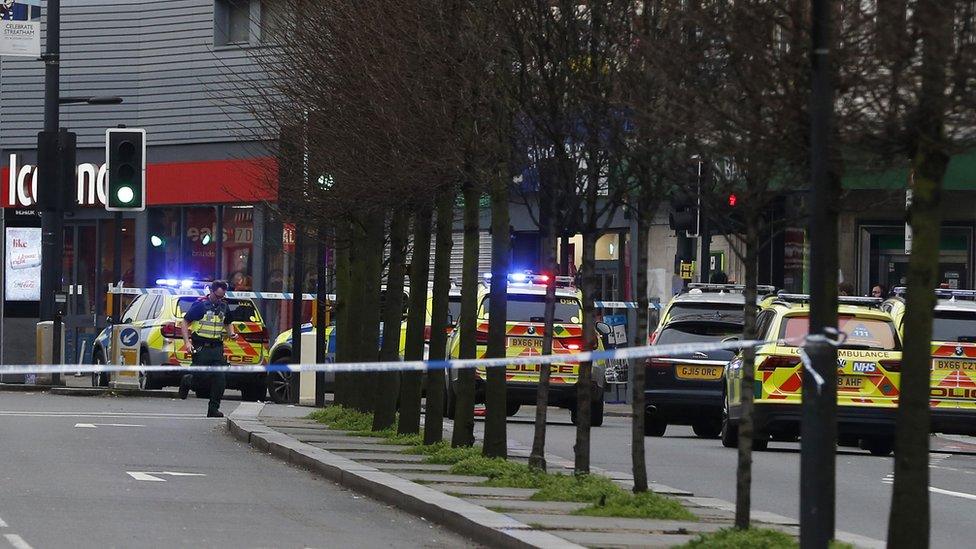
(109,320)
(603,328)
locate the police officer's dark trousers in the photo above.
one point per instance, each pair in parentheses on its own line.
(211,355)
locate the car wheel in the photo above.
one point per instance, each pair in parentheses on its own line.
(878,446)
(450,401)
(279,383)
(654,426)
(511,408)
(99,379)
(730,431)
(254,391)
(707,428)
(596,413)
(147,380)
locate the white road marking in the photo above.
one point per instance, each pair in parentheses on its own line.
(150,476)
(2,523)
(17,541)
(951,493)
(97,425)
(112,415)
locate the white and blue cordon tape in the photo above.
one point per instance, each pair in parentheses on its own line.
(628,353)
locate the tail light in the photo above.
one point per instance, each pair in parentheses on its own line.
(481,337)
(572,343)
(256,337)
(774,362)
(427,333)
(658,364)
(171,331)
(891,365)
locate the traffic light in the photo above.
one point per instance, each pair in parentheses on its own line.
(125,160)
(683,216)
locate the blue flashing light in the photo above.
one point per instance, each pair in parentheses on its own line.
(186,283)
(517,277)
(167,282)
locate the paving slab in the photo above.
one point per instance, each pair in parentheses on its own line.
(328,436)
(487,491)
(293,422)
(397,468)
(529,506)
(439,478)
(623,539)
(370,457)
(615,524)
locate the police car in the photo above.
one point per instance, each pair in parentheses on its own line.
(524,330)
(157,317)
(686,388)
(953,386)
(868,374)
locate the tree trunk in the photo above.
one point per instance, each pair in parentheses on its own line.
(384,413)
(584,383)
(537,458)
(464,412)
(637,456)
(743,477)
(496,437)
(909,520)
(434,415)
(355,312)
(410,382)
(343,381)
(369,343)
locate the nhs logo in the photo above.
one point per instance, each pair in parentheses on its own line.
(864,367)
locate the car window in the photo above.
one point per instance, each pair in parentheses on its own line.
(454,308)
(862,333)
(955,326)
(238,310)
(146,310)
(763,322)
(730,311)
(697,332)
(532,308)
(132,312)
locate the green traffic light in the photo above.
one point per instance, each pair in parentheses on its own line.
(125,195)
(156,241)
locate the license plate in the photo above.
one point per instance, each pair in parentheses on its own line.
(530,342)
(698,372)
(955,364)
(850,382)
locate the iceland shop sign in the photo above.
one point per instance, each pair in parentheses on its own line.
(22,184)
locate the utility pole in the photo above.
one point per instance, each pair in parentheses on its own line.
(819,424)
(48,164)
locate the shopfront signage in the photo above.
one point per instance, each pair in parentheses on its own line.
(22,184)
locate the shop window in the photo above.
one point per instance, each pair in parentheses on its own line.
(232,22)
(237,247)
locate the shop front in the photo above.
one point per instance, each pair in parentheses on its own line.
(189,205)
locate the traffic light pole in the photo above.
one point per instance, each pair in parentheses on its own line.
(49,177)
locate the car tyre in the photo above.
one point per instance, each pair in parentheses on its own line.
(654,426)
(878,446)
(512,408)
(99,379)
(279,383)
(707,428)
(148,380)
(730,431)
(254,391)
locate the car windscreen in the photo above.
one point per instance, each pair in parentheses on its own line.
(238,310)
(862,333)
(532,308)
(720,311)
(959,327)
(697,332)
(453,309)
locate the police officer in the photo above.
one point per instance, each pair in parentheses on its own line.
(204,327)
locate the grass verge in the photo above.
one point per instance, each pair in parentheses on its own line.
(360,424)
(753,538)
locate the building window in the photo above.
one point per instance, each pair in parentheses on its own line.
(232,22)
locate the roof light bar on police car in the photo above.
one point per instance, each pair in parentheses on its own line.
(528,277)
(712,287)
(953,294)
(842,300)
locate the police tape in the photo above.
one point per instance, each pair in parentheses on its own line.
(193,292)
(629,353)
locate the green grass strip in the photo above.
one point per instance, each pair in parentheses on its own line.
(753,538)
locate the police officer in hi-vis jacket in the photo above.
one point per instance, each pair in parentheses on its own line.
(204,327)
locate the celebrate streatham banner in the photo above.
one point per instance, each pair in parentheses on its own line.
(20,28)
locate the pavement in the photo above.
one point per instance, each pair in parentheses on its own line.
(151,472)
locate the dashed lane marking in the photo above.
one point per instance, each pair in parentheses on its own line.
(890,479)
(97,425)
(17,541)
(151,476)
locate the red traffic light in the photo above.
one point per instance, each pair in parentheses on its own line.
(732,200)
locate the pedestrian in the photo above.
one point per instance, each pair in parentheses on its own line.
(877,290)
(204,328)
(718,277)
(845,288)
